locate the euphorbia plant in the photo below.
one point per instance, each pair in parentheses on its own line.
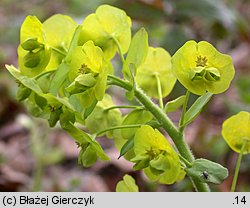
(65,69)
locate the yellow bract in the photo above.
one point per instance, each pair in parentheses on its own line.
(157,63)
(105,25)
(86,58)
(236,131)
(201,68)
(156,156)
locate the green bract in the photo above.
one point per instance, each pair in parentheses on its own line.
(88,73)
(59,30)
(236,131)
(201,68)
(157,63)
(107,25)
(101,119)
(127,185)
(33,54)
(41,48)
(155,156)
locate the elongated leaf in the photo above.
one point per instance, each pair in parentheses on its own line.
(27,82)
(127,185)
(137,52)
(59,78)
(32,84)
(207,171)
(82,137)
(173,105)
(126,147)
(73,43)
(196,108)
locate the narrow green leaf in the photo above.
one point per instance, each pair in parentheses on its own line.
(196,108)
(126,147)
(27,82)
(127,185)
(74,42)
(173,105)
(59,78)
(207,171)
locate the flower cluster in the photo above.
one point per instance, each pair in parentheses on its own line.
(63,73)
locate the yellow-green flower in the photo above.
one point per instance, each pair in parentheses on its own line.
(156,66)
(88,73)
(236,131)
(105,25)
(201,68)
(156,156)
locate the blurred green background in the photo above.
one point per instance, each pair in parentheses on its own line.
(34,157)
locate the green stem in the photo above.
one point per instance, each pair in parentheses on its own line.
(166,123)
(187,163)
(119,48)
(124,106)
(237,168)
(38,174)
(118,127)
(159,90)
(184,109)
(58,51)
(43,74)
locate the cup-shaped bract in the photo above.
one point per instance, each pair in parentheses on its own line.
(157,63)
(200,68)
(156,156)
(88,72)
(33,54)
(236,131)
(59,30)
(105,25)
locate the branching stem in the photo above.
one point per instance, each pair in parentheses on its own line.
(166,123)
(118,127)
